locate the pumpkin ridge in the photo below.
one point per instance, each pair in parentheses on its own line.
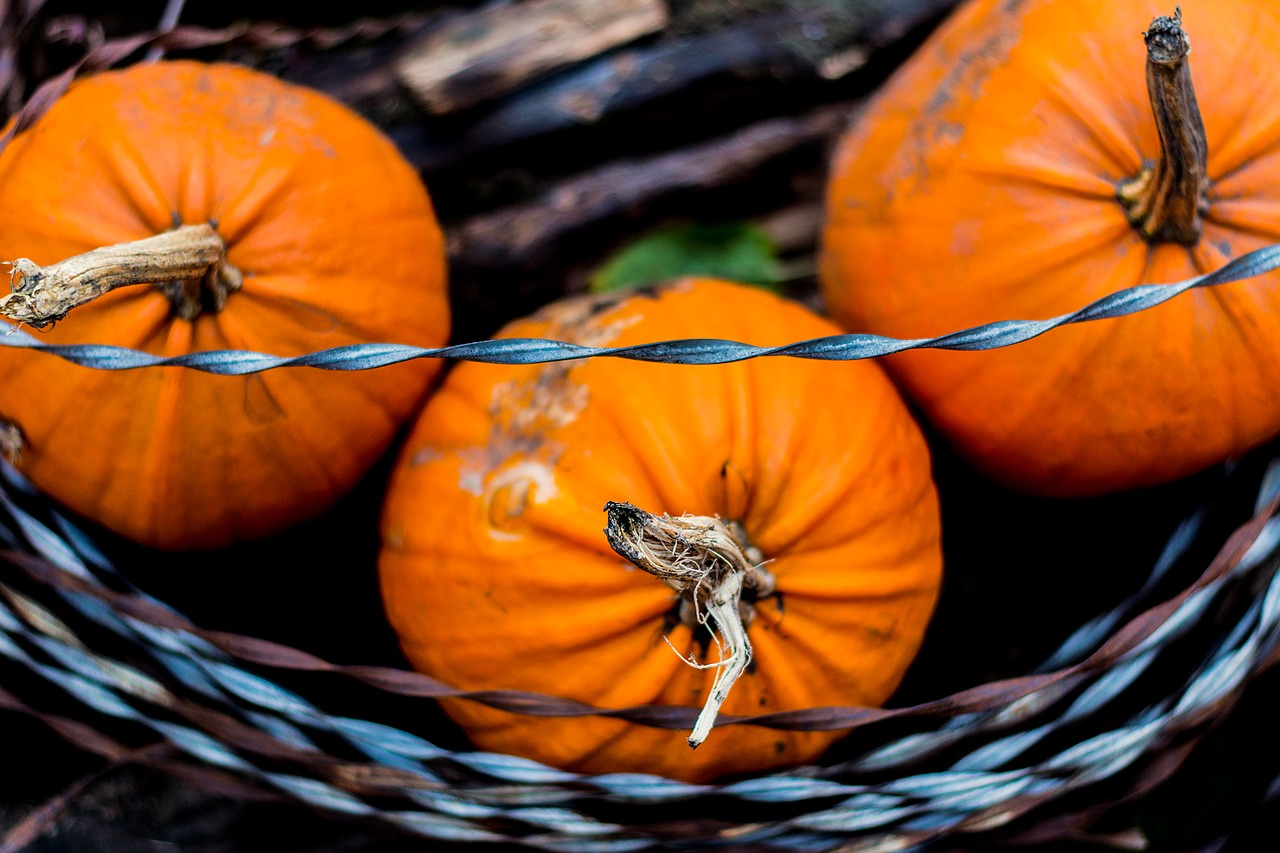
(63,411)
(1232,304)
(557,527)
(635,457)
(244,213)
(224,331)
(166,422)
(138,315)
(1046,174)
(807,647)
(291,402)
(237,334)
(1228,132)
(756,512)
(191,188)
(599,631)
(731,492)
(658,675)
(1093,114)
(638,452)
(1233,214)
(778,550)
(137,189)
(799,581)
(821,507)
(285,309)
(1017,421)
(771,680)
(1071,246)
(1251,158)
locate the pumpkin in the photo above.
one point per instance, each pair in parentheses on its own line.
(1031,158)
(329,239)
(495,572)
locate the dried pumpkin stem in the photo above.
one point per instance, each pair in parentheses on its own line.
(188,263)
(717,575)
(1167,201)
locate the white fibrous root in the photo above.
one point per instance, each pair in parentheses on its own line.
(715,572)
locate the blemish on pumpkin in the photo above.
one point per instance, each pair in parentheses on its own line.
(520,452)
(936,128)
(488,594)
(505,504)
(964,237)
(510,491)
(425,456)
(261,407)
(948,131)
(12,441)
(779,746)
(473,470)
(881,633)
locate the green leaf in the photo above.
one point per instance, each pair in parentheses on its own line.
(736,251)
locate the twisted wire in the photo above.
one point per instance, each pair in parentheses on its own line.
(228,718)
(847,347)
(224,716)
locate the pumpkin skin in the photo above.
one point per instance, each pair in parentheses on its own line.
(495,571)
(337,240)
(980,185)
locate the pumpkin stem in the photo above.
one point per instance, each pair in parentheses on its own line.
(1167,201)
(712,567)
(188,264)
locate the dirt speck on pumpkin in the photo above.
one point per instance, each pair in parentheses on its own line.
(881,633)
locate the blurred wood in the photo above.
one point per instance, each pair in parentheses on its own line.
(794,229)
(522,235)
(484,54)
(794,44)
(15,18)
(41,819)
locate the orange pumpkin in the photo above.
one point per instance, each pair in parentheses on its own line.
(496,574)
(1013,169)
(336,242)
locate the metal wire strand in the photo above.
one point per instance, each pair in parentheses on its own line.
(850,347)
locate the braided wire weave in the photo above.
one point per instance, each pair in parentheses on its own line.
(972,765)
(969,763)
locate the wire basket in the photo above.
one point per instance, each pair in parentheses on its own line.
(1112,712)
